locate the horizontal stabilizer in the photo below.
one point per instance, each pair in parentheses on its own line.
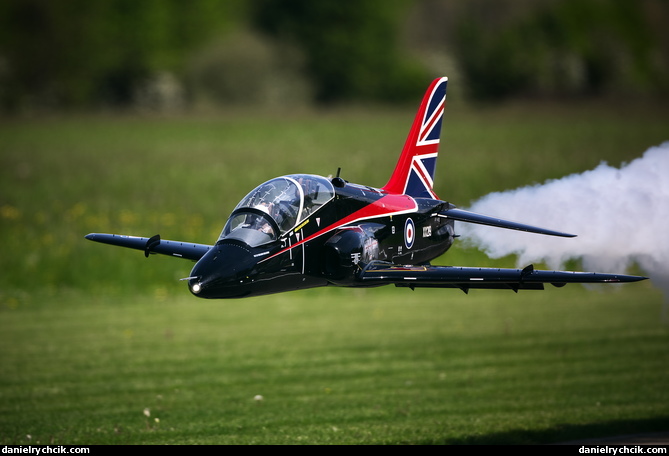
(382,273)
(471,217)
(186,250)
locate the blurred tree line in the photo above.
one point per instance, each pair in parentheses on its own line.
(81,53)
(172,54)
(564,48)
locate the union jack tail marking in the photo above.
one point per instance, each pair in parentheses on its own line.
(414,172)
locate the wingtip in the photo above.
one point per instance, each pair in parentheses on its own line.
(629,278)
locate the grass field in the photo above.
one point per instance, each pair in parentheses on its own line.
(100,345)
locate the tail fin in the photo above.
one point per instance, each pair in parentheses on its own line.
(414,172)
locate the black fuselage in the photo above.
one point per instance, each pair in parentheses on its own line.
(360,224)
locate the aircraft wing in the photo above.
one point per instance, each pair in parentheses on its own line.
(153,244)
(471,217)
(382,273)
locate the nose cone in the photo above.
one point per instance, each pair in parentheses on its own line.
(223,271)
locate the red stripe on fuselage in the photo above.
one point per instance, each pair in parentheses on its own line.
(387,205)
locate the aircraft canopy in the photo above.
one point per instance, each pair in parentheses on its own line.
(276,207)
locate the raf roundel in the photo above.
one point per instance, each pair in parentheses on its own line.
(409,233)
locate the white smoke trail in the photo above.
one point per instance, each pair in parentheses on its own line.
(621,217)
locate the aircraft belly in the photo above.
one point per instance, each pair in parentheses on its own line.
(280,282)
(420,256)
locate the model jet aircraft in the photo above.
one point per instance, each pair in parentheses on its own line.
(302,231)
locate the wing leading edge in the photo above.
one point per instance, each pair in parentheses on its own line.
(382,273)
(153,244)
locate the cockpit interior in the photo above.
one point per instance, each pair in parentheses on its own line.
(275,207)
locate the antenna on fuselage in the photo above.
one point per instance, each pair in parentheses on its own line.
(338,181)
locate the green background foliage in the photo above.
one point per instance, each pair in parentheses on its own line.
(569,48)
(352,49)
(75,54)
(78,53)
